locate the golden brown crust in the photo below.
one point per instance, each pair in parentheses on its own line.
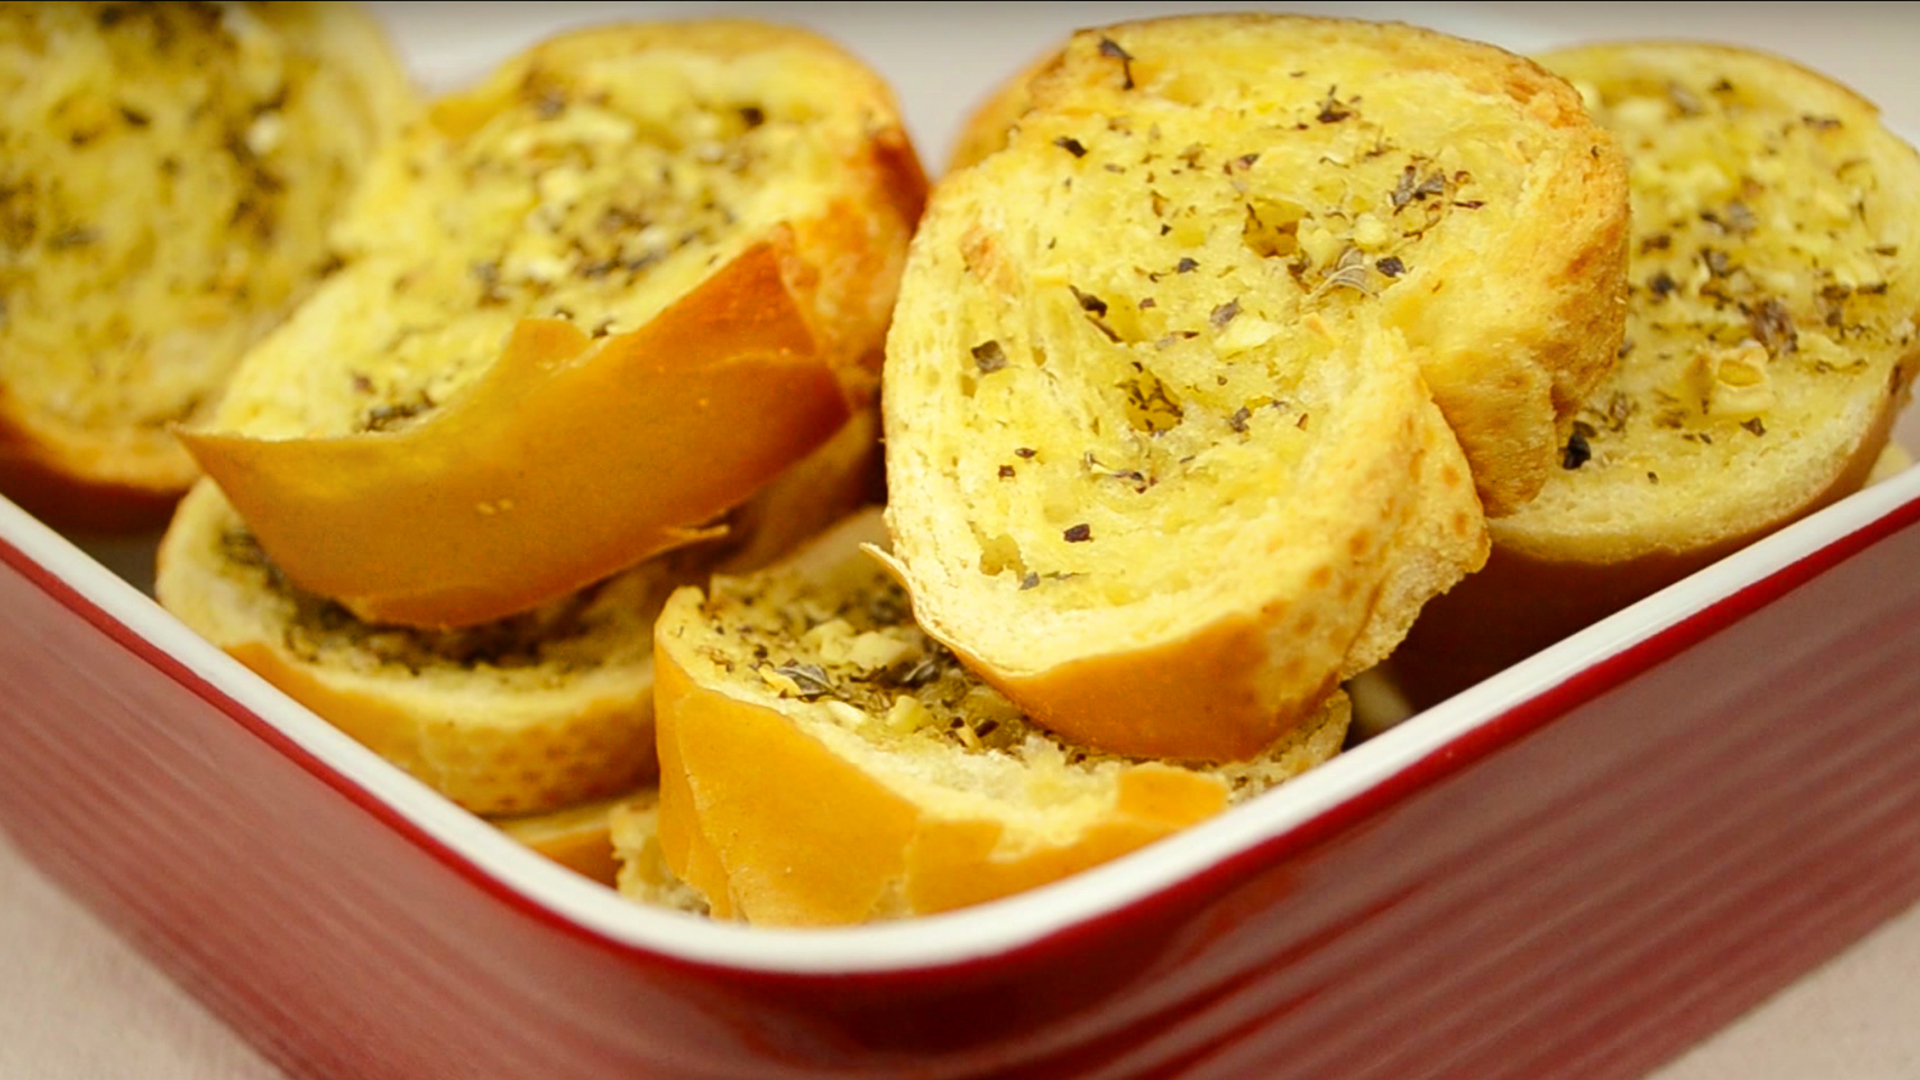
(1122,334)
(51,487)
(1207,696)
(527,715)
(1523,601)
(568,460)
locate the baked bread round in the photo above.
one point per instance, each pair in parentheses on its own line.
(587,307)
(824,761)
(1162,456)
(1770,346)
(1515,300)
(529,714)
(168,174)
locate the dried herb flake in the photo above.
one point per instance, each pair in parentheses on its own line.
(1772,326)
(1111,49)
(811,679)
(989,357)
(1332,109)
(1578,453)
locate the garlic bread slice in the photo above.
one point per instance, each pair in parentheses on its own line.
(168,176)
(525,715)
(1771,343)
(588,307)
(824,761)
(1162,436)
(1463,184)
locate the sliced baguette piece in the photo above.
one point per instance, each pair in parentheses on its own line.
(1516,304)
(168,173)
(640,864)
(824,761)
(578,837)
(529,714)
(1162,469)
(1771,344)
(588,307)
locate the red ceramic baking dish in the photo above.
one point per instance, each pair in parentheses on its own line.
(1573,870)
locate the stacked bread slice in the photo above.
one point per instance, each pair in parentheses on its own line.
(524,714)
(1771,342)
(606,323)
(1192,382)
(706,218)
(824,761)
(168,176)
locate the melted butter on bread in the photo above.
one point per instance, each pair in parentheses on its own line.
(168,176)
(588,308)
(1774,293)
(595,179)
(1770,346)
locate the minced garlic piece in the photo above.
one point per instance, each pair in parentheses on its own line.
(1372,234)
(1244,334)
(1733,382)
(836,643)
(907,715)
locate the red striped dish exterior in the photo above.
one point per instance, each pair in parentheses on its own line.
(1578,884)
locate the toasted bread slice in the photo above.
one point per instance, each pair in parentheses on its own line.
(1162,468)
(588,307)
(168,173)
(1473,176)
(1771,343)
(578,837)
(524,715)
(641,871)
(824,761)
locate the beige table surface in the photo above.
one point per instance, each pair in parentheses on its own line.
(78,1004)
